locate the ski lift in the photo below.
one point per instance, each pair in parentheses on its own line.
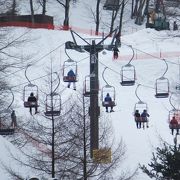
(128,72)
(128,75)
(6,131)
(4,128)
(87,90)
(174,114)
(111,5)
(140,107)
(162,85)
(30,89)
(53,104)
(162,88)
(178,84)
(67,66)
(107,89)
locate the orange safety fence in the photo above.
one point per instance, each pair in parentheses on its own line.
(152,55)
(27,24)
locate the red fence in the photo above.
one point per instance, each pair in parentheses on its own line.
(27,24)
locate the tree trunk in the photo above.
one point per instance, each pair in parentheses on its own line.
(14,7)
(120,20)
(66,20)
(132,9)
(135,8)
(32,11)
(97,17)
(140,14)
(44,7)
(114,15)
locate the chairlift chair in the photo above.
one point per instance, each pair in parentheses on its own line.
(177,87)
(7,131)
(162,88)
(67,66)
(111,5)
(53,105)
(87,91)
(174,113)
(128,75)
(111,90)
(141,106)
(28,89)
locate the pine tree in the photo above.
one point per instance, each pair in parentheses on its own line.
(165,163)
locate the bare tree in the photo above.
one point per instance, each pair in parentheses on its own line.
(32,10)
(43,4)
(97,16)
(71,143)
(66,6)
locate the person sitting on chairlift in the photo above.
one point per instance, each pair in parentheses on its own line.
(174,125)
(108,102)
(144,117)
(115,54)
(32,99)
(13,118)
(137,119)
(175,26)
(71,75)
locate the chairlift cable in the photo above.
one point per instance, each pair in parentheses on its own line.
(146,86)
(33,62)
(10,43)
(156,57)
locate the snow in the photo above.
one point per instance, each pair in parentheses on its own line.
(150,48)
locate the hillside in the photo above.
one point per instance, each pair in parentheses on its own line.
(150,47)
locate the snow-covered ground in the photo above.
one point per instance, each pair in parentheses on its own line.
(140,143)
(150,48)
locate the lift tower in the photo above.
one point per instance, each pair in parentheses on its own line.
(93,49)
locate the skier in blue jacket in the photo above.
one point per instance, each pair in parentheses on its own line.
(71,76)
(108,102)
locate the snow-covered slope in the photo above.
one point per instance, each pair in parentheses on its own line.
(150,47)
(147,44)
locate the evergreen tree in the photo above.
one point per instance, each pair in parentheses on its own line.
(165,163)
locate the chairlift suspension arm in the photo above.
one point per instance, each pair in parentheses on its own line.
(136,92)
(12,99)
(133,53)
(170,101)
(104,76)
(67,54)
(26,73)
(57,84)
(166,67)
